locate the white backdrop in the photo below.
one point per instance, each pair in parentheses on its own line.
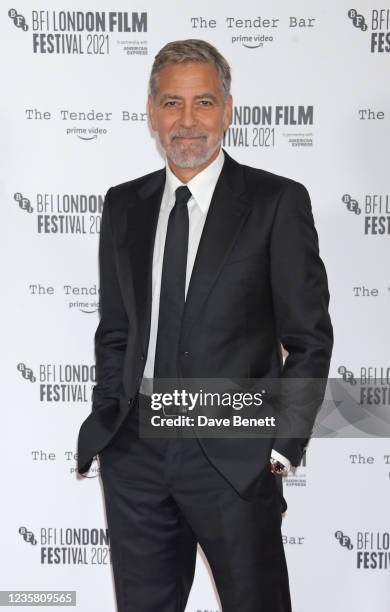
(73,123)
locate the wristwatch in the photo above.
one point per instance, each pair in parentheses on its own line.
(276,467)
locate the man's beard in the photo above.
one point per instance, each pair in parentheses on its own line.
(190,154)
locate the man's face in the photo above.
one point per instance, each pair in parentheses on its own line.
(190,113)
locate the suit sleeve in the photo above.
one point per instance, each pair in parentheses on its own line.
(112,332)
(300,298)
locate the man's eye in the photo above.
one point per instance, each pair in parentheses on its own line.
(170,103)
(205,103)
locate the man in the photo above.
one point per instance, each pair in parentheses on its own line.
(207,267)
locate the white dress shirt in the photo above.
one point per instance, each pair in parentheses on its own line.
(202,187)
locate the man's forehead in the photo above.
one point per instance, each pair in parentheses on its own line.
(197,78)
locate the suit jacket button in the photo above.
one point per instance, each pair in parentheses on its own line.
(130,401)
(186,353)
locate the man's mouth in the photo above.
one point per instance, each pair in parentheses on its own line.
(188,138)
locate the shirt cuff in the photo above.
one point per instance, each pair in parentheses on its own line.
(281,458)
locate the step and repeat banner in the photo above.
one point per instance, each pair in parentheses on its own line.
(311,101)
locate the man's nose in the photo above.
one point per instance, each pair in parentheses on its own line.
(187,118)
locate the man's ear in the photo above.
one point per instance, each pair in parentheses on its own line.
(151,113)
(227,119)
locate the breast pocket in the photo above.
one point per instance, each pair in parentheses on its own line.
(242,258)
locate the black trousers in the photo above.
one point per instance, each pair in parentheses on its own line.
(162,497)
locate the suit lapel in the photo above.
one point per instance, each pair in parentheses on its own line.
(142,223)
(226,216)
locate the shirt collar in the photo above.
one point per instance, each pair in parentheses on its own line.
(202,185)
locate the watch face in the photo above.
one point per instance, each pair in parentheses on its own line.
(277,467)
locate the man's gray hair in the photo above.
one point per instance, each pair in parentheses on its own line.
(187,51)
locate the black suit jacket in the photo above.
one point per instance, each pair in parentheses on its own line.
(257,282)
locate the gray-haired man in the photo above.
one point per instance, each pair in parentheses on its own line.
(206,268)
